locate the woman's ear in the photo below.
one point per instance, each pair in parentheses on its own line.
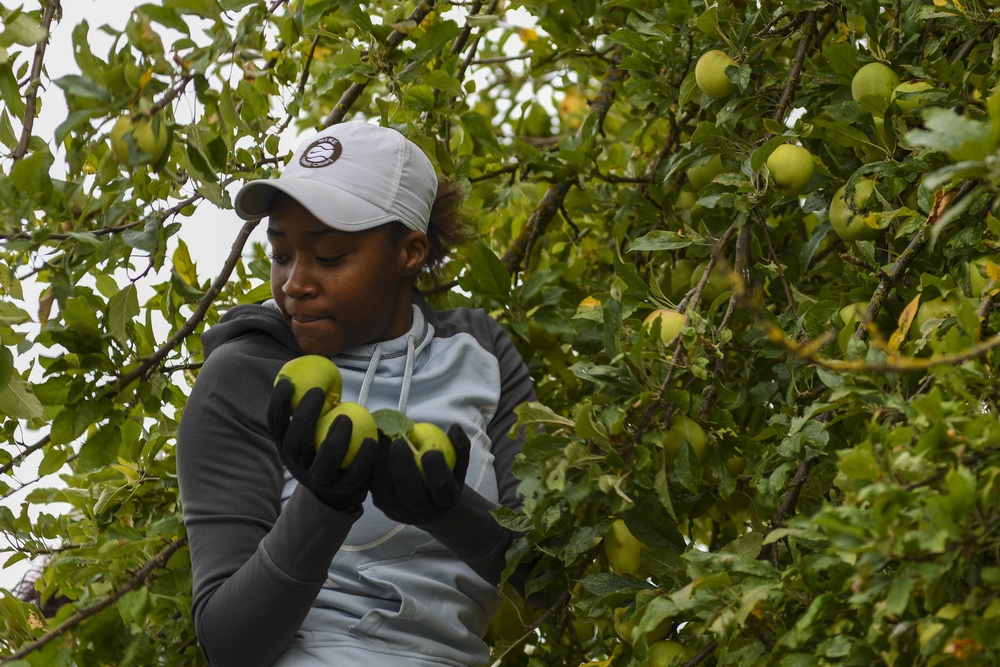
(414,251)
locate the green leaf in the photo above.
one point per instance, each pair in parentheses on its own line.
(487,273)
(16,400)
(660,240)
(24,30)
(759,156)
(123,308)
(147,238)
(708,21)
(392,423)
(963,138)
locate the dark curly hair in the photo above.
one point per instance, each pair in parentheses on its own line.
(447,229)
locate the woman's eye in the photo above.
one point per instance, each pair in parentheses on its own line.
(329,261)
(278,259)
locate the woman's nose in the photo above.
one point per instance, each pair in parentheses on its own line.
(299,282)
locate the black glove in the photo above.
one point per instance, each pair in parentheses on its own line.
(319,470)
(406,495)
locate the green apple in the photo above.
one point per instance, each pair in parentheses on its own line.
(623,550)
(736,465)
(149,136)
(680,275)
(362,427)
(791,168)
(702,174)
(665,653)
(671,323)
(872,87)
(718,279)
(938,308)
(426,437)
(512,617)
(914,102)
(979,274)
(686,198)
(624,626)
(312,371)
(852,313)
(683,428)
(710,74)
(848,218)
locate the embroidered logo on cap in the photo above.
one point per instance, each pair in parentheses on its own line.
(321,153)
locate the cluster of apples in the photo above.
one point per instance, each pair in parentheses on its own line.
(791,166)
(315,371)
(874,87)
(623,551)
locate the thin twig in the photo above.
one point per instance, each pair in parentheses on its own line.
(141,577)
(791,83)
(556,193)
(773,254)
(353,92)
(769,551)
(34,81)
(183,332)
(499,60)
(919,240)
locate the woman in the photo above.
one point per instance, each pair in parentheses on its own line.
(295,561)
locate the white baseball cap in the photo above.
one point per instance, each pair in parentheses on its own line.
(351,176)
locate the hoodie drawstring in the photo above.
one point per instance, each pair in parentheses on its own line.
(404,392)
(366,385)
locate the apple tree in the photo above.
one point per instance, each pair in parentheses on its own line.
(748,249)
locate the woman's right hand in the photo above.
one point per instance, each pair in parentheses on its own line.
(318,469)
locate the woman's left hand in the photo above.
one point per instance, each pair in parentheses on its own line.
(406,494)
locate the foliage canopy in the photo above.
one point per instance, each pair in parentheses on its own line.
(843,505)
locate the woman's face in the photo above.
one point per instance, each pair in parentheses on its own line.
(340,289)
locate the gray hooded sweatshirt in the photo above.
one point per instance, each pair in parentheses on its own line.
(282,579)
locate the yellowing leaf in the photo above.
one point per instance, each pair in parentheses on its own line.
(527,34)
(45,305)
(993,271)
(904,322)
(184,265)
(146,78)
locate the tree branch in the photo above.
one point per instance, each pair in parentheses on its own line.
(353,92)
(553,199)
(791,83)
(769,551)
(917,243)
(141,576)
(34,81)
(144,367)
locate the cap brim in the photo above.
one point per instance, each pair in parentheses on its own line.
(332,206)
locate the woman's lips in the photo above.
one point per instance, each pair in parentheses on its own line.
(306,319)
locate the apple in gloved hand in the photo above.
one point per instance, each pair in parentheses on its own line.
(362,428)
(312,371)
(426,437)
